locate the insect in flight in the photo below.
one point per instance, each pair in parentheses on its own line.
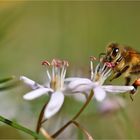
(123,60)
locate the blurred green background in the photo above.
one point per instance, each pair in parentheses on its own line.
(31,32)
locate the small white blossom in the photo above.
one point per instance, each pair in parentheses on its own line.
(54,86)
(98,77)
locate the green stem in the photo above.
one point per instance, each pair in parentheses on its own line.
(39,123)
(75,117)
(19,127)
(84,106)
(6,79)
(83,130)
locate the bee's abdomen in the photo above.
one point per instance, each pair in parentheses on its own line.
(135,69)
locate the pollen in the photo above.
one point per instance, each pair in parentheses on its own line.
(46,63)
(93,58)
(110,64)
(57,63)
(137,82)
(65,63)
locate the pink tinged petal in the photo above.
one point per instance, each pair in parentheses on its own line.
(112,104)
(117,89)
(29,82)
(54,105)
(99,93)
(37,93)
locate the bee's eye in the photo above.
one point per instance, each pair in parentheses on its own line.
(115,51)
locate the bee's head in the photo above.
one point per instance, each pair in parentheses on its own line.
(113,52)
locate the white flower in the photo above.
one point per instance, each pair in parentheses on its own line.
(54,86)
(98,76)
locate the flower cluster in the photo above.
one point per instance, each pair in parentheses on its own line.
(57,86)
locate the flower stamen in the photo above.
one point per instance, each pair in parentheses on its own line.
(101,71)
(57,74)
(92,58)
(63,71)
(46,63)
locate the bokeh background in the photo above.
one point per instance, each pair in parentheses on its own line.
(31,32)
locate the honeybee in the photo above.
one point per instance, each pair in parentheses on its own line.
(124,61)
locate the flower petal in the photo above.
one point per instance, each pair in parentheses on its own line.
(54,105)
(117,89)
(79,85)
(99,93)
(78,82)
(36,93)
(70,79)
(30,82)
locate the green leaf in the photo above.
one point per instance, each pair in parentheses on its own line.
(6,79)
(19,127)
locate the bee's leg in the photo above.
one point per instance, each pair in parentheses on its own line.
(131,97)
(116,75)
(135,70)
(119,73)
(127,80)
(132,92)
